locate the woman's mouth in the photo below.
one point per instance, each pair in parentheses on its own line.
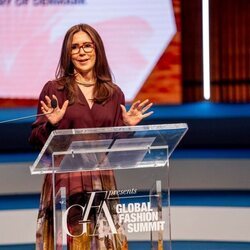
(83,60)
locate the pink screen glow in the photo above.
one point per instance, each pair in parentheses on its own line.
(135,34)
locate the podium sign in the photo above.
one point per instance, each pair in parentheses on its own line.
(134,207)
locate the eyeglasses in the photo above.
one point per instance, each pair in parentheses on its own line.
(87,48)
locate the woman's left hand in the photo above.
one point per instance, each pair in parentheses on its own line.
(136,113)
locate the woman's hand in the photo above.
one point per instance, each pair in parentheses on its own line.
(136,113)
(54,115)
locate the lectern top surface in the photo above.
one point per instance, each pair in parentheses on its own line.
(108,148)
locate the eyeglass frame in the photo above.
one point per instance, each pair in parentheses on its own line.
(82,47)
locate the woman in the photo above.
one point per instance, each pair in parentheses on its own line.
(86,97)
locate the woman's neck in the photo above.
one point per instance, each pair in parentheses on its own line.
(86,79)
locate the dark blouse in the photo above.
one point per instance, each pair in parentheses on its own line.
(78,115)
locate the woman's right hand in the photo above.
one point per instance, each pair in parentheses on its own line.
(54,115)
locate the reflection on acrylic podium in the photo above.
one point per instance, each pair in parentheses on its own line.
(135,208)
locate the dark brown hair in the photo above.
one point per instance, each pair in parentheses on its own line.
(65,70)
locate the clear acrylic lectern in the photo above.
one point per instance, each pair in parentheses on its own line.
(137,205)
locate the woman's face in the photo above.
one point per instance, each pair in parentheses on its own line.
(83,54)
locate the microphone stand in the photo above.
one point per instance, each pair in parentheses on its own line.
(53,105)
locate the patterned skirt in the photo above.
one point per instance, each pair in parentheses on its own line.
(77,186)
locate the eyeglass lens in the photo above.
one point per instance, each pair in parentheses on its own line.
(87,48)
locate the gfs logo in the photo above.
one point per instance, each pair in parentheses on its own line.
(99,205)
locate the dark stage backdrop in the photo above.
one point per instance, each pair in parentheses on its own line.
(229,50)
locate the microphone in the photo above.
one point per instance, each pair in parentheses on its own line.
(53,105)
